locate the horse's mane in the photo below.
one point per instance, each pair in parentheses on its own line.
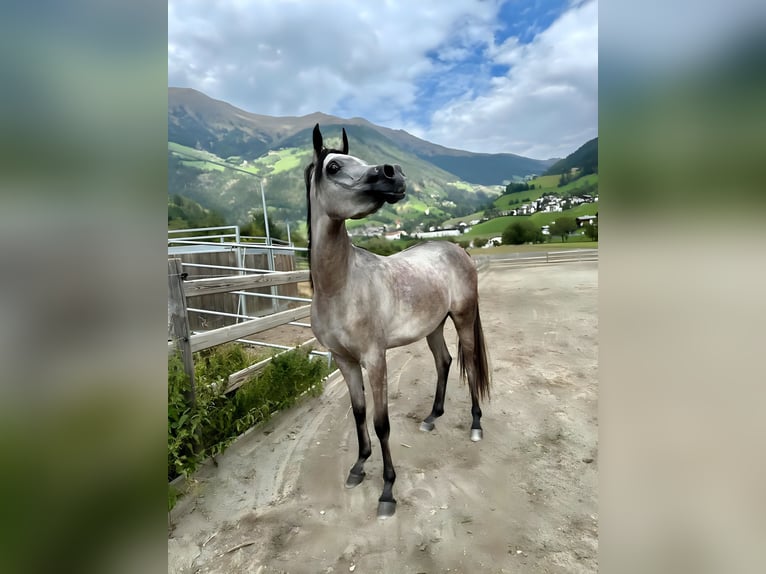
(309,173)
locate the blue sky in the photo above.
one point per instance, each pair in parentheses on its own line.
(482,75)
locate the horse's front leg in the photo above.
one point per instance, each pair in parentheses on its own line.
(352,373)
(376,370)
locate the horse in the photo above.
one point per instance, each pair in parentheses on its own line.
(365,304)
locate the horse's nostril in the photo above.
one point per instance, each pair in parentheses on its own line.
(388,171)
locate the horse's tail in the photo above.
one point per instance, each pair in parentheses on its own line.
(480,383)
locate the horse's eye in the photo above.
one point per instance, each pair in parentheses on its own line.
(333,167)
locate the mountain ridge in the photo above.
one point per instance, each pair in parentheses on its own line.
(584,157)
(219,155)
(192,114)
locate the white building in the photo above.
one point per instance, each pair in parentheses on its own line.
(438,233)
(586,220)
(392,235)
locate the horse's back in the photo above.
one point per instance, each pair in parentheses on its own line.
(448,261)
(435,247)
(445,273)
(397,300)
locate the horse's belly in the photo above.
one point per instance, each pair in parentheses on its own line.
(354,330)
(411,327)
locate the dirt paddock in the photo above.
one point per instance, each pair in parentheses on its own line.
(521,500)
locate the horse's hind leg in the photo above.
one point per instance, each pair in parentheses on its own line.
(477,433)
(352,373)
(471,357)
(443,361)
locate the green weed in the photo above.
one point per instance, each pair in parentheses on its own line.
(216,419)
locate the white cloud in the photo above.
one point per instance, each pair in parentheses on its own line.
(547,104)
(364,59)
(300,57)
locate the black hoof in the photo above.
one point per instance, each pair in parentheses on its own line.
(426,426)
(477,435)
(386,508)
(354,480)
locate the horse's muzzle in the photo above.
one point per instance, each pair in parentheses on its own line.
(387,182)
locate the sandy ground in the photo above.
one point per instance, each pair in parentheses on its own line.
(521,500)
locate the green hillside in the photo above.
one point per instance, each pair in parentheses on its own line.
(231,185)
(542,185)
(497,225)
(220,156)
(184,213)
(584,158)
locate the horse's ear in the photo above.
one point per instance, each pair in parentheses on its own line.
(345,142)
(318,143)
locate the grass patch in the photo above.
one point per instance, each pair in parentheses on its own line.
(545,181)
(288,159)
(202,165)
(206,161)
(491,228)
(286,164)
(462,185)
(466,218)
(176,147)
(573,243)
(207,429)
(414,205)
(583,181)
(512,200)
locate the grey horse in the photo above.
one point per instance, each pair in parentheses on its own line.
(364,304)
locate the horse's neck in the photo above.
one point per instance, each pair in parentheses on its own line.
(331,251)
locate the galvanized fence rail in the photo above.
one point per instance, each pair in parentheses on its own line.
(187,294)
(545,258)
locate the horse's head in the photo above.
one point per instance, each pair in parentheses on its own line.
(347,188)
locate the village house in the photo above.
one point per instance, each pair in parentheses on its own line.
(586,220)
(366,231)
(392,235)
(549,204)
(437,233)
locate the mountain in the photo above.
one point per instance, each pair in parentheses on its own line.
(195,119)
(218,155)
(483,168)
(585,157)
(198,121)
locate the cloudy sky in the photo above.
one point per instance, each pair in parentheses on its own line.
(516,76)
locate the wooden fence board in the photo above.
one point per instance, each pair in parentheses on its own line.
(230,333)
